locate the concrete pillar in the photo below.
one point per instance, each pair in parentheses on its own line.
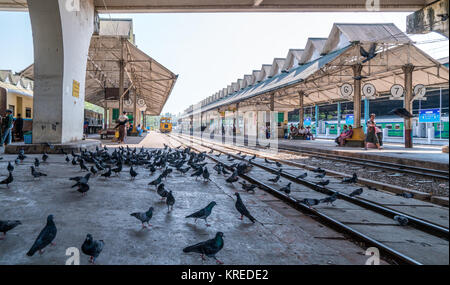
(366,113)
(135,114)
(61,39)
(339,115)
(407,103)
(105,117)
(357,68)
(110,117)
(301,111)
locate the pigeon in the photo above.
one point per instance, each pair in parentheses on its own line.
(318,170)
(117,169)
(44,157)
(156,181)
(16,161)
(67,159)
(248,187)
(36,162)
(183,170)
(321,175)
(401,112)
(352,179)
(133,173)
(356,192)
(267,161)
(275,180)
(209,248)
(170,201)
(401,220)
(144,217)
(6,226)
(323,183)
(83,166)
(406,195)
(45,238)
(93,170)
(203,213)
(302,176)
(107,173)
(74,161)
(233,178)
(310,202)
(92,247)
(242,209)
(286,188)
(368,54)
(161,191)
(83,188)
(35,173)
(8,180)
(80,180)
(197,173)
(330,199)
(10,167)
(205,174)
(278,164)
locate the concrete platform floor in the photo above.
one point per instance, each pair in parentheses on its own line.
(287,236)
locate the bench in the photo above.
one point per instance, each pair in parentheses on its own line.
(357,139)
(108,132)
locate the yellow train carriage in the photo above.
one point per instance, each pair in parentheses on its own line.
(165,125)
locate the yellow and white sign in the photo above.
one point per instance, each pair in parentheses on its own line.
(76,89)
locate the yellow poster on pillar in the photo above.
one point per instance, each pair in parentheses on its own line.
(76,89)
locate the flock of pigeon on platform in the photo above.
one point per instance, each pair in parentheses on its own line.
(104,164)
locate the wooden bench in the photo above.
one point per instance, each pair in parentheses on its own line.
(357,139)
(108,132)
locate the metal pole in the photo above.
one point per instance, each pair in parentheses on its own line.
(339,118)
(317,119)
(440,113)
(301,111)
(366,113)
(357,68)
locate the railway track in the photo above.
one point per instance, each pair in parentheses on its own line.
(417,226)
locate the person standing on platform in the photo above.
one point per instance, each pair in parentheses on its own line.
(9,124)
(19,126)
(122,122)
(371,136)
(86,127)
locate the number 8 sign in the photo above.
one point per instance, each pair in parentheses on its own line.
(397,91)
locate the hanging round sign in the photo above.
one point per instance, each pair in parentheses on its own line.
(369,90)
(420,90)
(346,90)
(397,91)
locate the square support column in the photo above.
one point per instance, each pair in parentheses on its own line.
(407,103)
(339,115)
(357,68)
(366,113)
(301,111)
(316,118)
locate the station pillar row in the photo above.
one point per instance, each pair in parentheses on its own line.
(61,39)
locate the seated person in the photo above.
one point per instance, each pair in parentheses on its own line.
(130,129)
(345,135)
(308,133)
(294,132)
(344,130)
(139,130)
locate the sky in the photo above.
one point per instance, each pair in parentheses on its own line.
(211,50)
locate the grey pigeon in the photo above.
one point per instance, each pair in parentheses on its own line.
(161,191)
(170,201)
(278,164)
(287,188)
(205,174)
(209,248)
(156,182)
(8,180)
(45,238)
(401,220)
(203,213)
(6,226)
(406,195)
(44,157)
(36,162)
(242,209)
(275,180)
(320,175)
(233,178)
(310,202)
(352,179)
(330,199)
(356,192)
(83,189)
(133,173)
(197,173)
(36,174)
(248,187)
(10,167)
(92,247)
(107,173)
(323,183)
(144,217)
(302,176)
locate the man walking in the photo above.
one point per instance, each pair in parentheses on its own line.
(19,126)
(9,124)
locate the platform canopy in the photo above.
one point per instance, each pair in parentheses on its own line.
(127,6)
(326,64)
(151,81)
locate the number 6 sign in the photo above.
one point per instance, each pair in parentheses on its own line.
(346,90)
(369,90)
(397,91)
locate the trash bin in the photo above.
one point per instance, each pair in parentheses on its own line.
(27,138)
